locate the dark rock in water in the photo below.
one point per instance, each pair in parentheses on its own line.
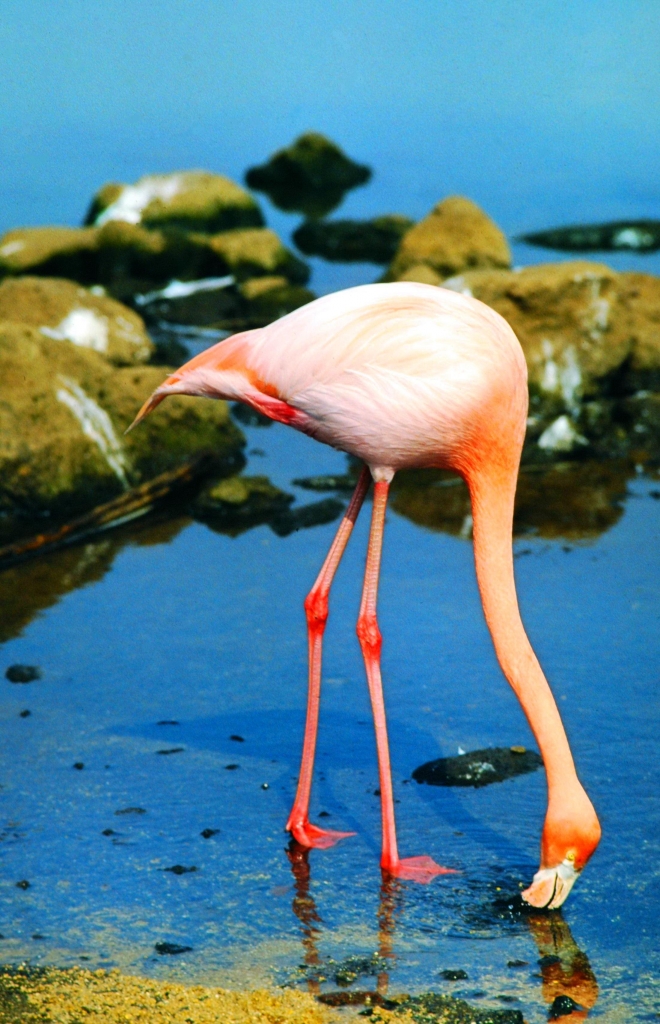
(311,175)
(458,975)
(167,721)
(171,750)
(78,765)
(479,767)
(179,869)
(431,1008)
(171,948)
(23,673)
(517,963)
(206,833)
(24,714)
(328,482)
(248,416)
(562,1006)
(231,767)
(23,884)
(238,503)
(108,832)
(613,236)
(237,739)
(131,810)
(316,514)
(353,241)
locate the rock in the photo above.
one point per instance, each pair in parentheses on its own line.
(23,673)
(240,502)
(171,948)
(205,303)
(640,297)
(257,252)
(479,767)
(269,298)
(454,975)
(562,1006)
(312,175)
(353,241)
(57,249)
(66,312)
(455,236)
(63,413)
(317,513)
(431,1007)
(615,236)
(189,200)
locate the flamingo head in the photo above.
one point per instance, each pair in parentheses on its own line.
(569,839)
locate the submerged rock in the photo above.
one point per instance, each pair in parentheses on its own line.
(63,413)
(431,1008)
(311,175)
(613,236)
(455,236)
(190,200)
(66,312)
(479,767)
(353,241)
(240,502)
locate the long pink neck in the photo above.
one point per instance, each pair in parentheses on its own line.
(492,491)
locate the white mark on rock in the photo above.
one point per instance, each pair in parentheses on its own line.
(83,327)
(632,238)
(133,199)
(560,436)
(550,379)
(9,248)
(96,425)
(457,284)
(570,377)
(181,289)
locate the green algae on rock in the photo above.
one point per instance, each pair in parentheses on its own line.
(63,411)
(64,311)
(353,241)
(238,503)
(189,200)
(455,236)
(269,298)
(257,252)
(311,175)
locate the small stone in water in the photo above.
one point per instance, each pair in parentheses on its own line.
(179,869)
(208,832)
(24,714)
(79,765)
(23,884)
(264,785)
(517,963)
(37,935)
(324,814)
(231,767)
(458,975)
(171,948)
(108,832)
(167,721)
(131,810)
(236,739)
(171,750)
(518,750)
(23,673)
(562,1006)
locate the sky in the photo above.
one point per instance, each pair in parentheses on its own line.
(530,107)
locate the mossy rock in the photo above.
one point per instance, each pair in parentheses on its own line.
(312,175)
(353,241)
(269,298)
(240,502)
(257,252)
(66,312)
(456,235)
(63,413)
(188,200)
(52,251)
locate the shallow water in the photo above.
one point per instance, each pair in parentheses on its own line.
(171,622)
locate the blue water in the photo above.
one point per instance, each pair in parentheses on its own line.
(208,631)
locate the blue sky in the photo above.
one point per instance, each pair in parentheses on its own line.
(531,106)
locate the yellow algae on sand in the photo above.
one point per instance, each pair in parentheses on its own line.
(109,997)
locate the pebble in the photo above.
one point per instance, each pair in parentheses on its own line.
(23,884)
(79,765)
(24,714)
(458,975)
(208,832)
(562,1006)
(171,750)
(236,738)
(23,673)
(179,869)
(171,948)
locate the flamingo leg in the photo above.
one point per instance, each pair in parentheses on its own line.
(316,610)
(418,869)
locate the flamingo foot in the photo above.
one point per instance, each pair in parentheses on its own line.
(551,886)
(417,869)
(312,836)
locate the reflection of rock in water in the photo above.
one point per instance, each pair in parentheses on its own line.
(479,767)
(572,499)
(565,969)
(30,588)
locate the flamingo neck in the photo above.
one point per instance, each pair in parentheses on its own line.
(492,491)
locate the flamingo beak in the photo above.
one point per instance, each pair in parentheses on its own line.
(551,886)
(148,407)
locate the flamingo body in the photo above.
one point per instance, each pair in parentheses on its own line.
(408,375)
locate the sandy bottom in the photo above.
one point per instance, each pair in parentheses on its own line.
(108,997)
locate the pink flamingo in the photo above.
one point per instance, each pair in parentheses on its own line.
(407,375)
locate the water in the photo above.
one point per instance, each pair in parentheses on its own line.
(171,622)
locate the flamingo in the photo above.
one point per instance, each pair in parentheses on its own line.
(401,376)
